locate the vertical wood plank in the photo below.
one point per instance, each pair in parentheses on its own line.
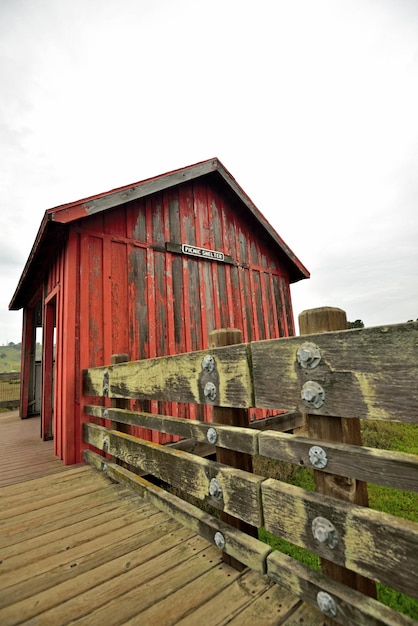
(202,227)
(72,379)
(290,324)
(246,299)
(114,222)
(59,360)
(228,230)
(47,369)
(119,297)
(253,301)
(106,302)
(107,299)
(267,311)
(232,417)
(152,321)
(336,429)
(120,403)
(236,308)
(274,330)
(279,300)
(79,344)
(219,268)
(28,332)
(94,279)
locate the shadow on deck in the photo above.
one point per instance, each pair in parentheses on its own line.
(76,547)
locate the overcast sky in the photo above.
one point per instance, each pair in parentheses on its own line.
(311,105)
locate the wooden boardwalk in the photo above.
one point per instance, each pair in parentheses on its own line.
(23,454)
(76,548)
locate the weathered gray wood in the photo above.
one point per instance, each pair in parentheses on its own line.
(368,373)
(145,188)
(234,418)
(366,538)
(281,423)
(184,471)
(341,430)
(178,378)
(239,545)
(193,446)
(383,467)
(241,439)
(353,608)
(119,403)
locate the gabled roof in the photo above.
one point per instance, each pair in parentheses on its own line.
(53,228)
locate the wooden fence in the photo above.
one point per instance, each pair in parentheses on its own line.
(325,378)
(9,390)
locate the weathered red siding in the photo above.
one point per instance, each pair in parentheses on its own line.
(136,297)
(113,284)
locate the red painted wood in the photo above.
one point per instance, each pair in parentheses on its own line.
(118,296)
(47,369)
(58,391)
(72,343)
(121,291)
(27,338)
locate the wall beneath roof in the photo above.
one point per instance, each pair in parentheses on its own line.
(130,294)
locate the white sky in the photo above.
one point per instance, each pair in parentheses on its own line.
(311,105)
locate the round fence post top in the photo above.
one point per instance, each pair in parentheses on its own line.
(119,358)
(224,337)
(322,319)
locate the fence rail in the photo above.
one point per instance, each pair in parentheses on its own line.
(368,373)
(9,390)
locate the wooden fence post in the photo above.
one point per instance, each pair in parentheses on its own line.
(119,403)
(232,417)
(336,429)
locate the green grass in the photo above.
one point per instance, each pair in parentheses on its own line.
(389,436)
(10,358)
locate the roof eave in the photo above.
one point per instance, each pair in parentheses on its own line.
(68,213)
(111,199)
(20,298)
(298,271)
(102,202)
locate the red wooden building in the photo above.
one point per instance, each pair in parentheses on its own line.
(148,269)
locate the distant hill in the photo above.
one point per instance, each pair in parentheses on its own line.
(10,356)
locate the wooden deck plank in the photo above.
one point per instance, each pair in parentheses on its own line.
(14,534)
(78,548)
(38,482)
(259,612)
(46,546)
(155,597)
(39,516)
(35,484)
(72,578)
(89,488)
(57,602)
(28,546)
(135,579)
(13,530)
(224,588)
(101,542)
(199,588)
(24,455)
(54,488)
